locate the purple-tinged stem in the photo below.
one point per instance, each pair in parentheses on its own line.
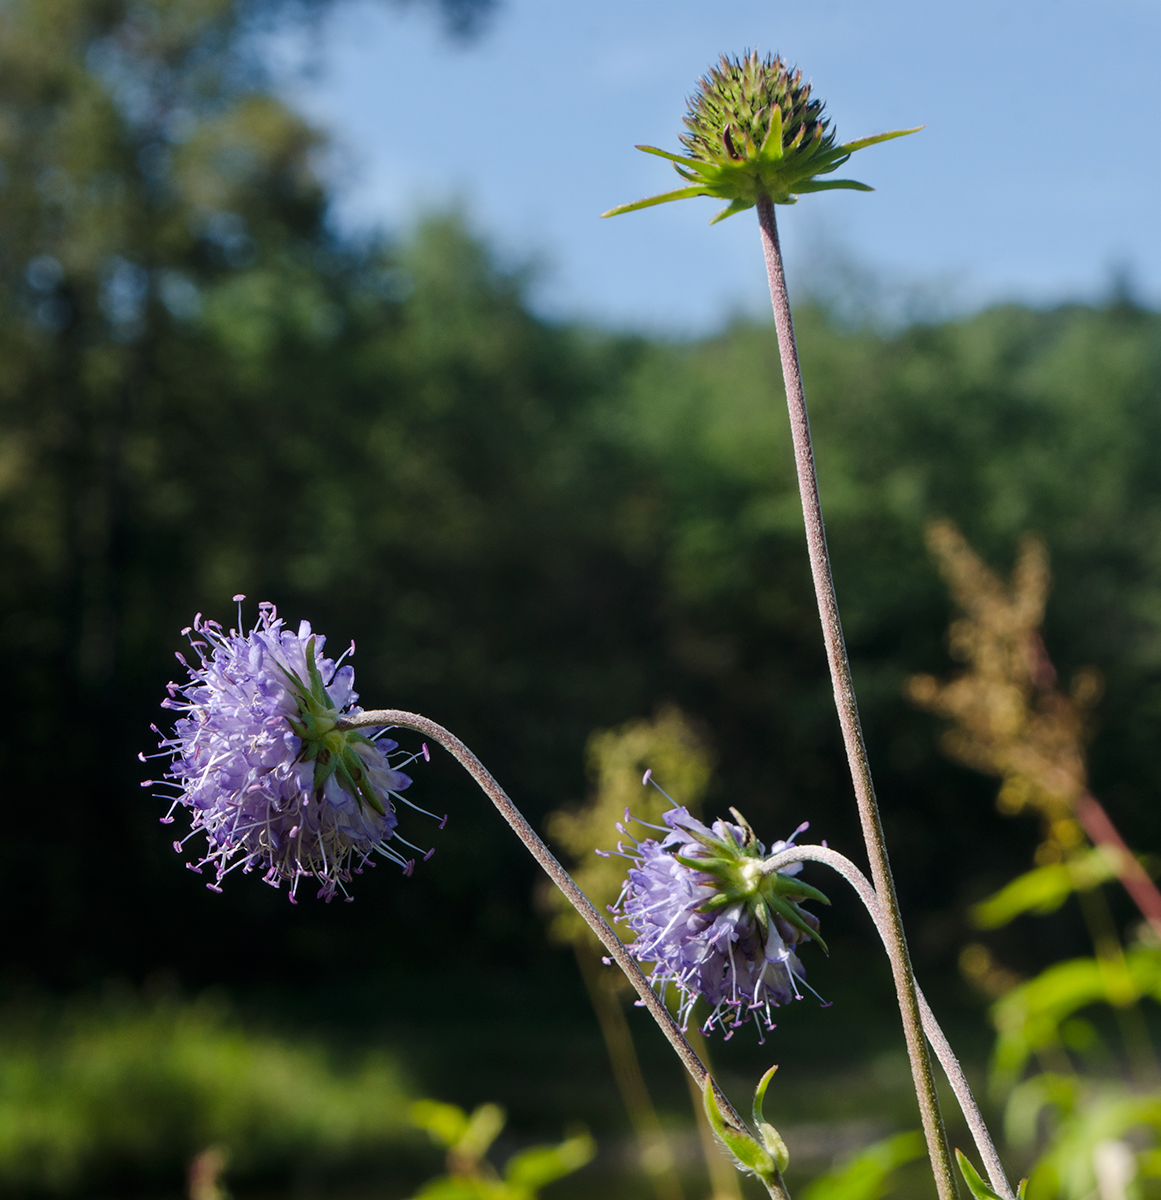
(848,712)
(392,717)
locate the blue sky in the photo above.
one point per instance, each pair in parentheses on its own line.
(1036,178)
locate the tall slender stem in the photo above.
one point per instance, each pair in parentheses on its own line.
(848,712)
(393,717)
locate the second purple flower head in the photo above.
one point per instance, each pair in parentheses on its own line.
(715,921)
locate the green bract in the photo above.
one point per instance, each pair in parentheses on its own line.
(754,133)
(765,1156)
(332,750)
(740,875)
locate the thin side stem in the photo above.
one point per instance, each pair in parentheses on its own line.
(407,720)
(848,713)
(935,1035)
(1100,828)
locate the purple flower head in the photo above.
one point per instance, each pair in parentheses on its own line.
(258,761)
(715,921)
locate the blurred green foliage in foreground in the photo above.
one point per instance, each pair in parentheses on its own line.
(467,1137)
(141,1089)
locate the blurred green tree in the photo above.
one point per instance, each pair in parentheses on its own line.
(532,529)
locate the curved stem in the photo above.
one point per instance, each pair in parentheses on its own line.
(935,1035)
(539,851)
(848,712)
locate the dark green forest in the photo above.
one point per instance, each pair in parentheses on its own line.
(532,529)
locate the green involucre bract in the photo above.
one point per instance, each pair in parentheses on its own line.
(753,132)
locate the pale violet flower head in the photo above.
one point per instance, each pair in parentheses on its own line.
(267,777)
(714,921)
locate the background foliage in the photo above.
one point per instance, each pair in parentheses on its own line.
(531,529)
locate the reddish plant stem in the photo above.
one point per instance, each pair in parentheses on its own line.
(848,713)
(1100,828)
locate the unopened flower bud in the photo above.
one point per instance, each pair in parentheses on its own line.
(753,132)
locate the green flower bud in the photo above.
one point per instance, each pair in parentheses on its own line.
(765,1156)
(754,133)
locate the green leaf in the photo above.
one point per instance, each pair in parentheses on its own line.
(971,1176)
(771,148)
(453,1187)
(774,1144)
(790,885)
(1043,889)
(664,198)
(316,683)
(851,147)
(1029,1017)
(722,867)
(771,1138)
(1027,1104)
(696,164)
(1078,1116)
(324,768)
(482,1129)
(749,1154)
(710,843)
(537,1166)
(867,1174)
(445,1122)
(792,916)
(827,185)
(1044,1183)
(760,1094)
(828,160)
(731,209)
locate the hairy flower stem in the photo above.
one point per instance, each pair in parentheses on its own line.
(935,1035)
(848,712)
(392,717)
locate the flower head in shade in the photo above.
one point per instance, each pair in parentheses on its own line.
(257,758)
(715,921)
(753,132)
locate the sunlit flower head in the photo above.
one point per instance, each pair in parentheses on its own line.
(267,776)
(714,920)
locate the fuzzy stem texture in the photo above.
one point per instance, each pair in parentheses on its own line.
(397,718)
(848,712)
(935,1035)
